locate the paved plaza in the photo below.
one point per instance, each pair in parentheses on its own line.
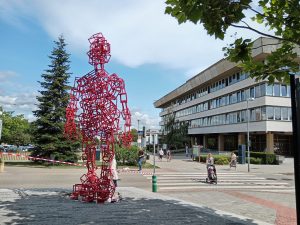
(264,196)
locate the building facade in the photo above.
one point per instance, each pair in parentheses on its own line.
(216,104)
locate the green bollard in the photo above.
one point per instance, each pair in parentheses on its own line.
(154,184)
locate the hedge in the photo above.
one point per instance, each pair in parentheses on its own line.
(266,157)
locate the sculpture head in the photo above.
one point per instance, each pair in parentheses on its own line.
(99,52)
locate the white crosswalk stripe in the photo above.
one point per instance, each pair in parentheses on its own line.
(235,180)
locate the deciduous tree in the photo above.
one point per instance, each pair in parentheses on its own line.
(282,18)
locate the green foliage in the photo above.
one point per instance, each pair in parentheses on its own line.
(254,160)
(266,158)
(218,159)
(134,135)
(127,156)
(281,17)
(222,160)
(52,102)
(177,132)
(16,129)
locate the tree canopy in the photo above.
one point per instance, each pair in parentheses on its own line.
(52,103)
(16,129)
(177,132)
(281,18)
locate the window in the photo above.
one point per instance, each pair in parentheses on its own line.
(288,90)
(243,116)
(242,76)
(252,114)
(257,91)
(276,90)
(290,113)
(269,90)
(283,90)
(237,76)
(233,98)
(262,89)
(284,114)
(238,96)
(243,96)
(258,114)
(270,113)
(263,113)
(277,113)
(252,92)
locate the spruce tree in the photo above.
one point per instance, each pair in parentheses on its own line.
(52,103)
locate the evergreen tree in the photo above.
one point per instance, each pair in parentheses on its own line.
(51,113)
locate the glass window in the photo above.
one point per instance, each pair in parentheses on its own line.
(247,94)
(283,90)
(284,113)
(258,114)
(276,90)
(257,91)
(238,96)
(252,92)
(288,90)
(262,89)
(242,76)
(263,113)
(252,114)
(233,98)
(290,113)
(243,96)
(243,116)
(269,90)
(238,118)
(238,76)
(277,113)
(270,113)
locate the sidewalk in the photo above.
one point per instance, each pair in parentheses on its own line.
(53,206)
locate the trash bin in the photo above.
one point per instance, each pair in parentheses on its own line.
(98,152)
(242,154)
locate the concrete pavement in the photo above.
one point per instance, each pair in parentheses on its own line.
(40,196)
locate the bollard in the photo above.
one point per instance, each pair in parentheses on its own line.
(1,165)
(154,184)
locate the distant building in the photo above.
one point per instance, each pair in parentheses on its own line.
(214,103)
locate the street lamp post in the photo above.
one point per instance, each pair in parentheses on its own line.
(154,178)
(138,129)
(248,136)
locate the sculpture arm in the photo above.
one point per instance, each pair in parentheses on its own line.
(126,136)
(70,130)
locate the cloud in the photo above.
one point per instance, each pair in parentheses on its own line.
(20,103)
(5,75)
(139,31)
(150,122)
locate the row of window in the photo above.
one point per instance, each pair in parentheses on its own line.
(256,114)
(239,76)
(264,89)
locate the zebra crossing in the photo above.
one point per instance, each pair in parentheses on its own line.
(179,181)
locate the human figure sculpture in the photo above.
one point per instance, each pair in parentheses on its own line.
(94,105)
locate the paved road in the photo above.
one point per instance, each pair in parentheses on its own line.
(40,196)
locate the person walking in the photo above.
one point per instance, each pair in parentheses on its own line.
(161,154)
(186,150)
(168,155)
(232,160)
(140,159)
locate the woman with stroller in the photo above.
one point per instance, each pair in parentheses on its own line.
(209,160)
(232,160)
(211,170)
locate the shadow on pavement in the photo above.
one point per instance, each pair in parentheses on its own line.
(57,208)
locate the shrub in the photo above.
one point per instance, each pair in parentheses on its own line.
(223,160)
(254,160)
(266,157)
(127,156)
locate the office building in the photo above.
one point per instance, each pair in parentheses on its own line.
(214,103)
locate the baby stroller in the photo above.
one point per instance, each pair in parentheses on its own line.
(211,174)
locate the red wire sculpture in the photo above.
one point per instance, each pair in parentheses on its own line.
(94,107)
